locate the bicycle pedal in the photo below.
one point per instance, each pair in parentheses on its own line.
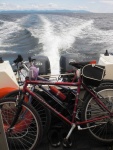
(67,142)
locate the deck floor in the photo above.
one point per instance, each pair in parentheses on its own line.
(81,141)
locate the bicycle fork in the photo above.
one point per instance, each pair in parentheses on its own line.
(19,102)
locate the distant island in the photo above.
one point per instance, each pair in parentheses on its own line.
(44,11)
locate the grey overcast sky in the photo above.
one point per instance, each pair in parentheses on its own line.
(99,6)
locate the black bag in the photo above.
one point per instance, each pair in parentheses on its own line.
(93,74)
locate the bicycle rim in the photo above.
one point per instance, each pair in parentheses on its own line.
(44,113)
(26,134)
(100,129)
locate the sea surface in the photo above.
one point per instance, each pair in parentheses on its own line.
(86,35)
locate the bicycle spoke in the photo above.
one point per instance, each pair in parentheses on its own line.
(26,132)
(101,128)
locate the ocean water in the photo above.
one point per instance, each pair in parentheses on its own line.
(29,34)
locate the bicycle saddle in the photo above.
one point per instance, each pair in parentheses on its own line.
(79,65)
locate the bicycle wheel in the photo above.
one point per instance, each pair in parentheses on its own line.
(27,132)
(44,113)
(100,129)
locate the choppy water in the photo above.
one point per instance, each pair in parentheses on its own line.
(86,35)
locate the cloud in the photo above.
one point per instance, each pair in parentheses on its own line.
(7,6)
(92,2)
(52,5)
(49,6)
(80,8)
(107,1)
(102,1)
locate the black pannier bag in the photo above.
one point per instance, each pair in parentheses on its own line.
(93,74)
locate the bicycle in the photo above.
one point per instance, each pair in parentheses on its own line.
(43,112)
(96,110)
(26,133)
(61,92)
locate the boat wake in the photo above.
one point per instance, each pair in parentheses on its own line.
(53,35)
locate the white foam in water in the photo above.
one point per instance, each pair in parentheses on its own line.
(99,37)
(6,32)
(4,51)
(102,37)
(55,33)
(51,44)
(58,34)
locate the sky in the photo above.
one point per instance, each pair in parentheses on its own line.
(97,6)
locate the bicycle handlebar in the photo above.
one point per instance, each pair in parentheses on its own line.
(19,59)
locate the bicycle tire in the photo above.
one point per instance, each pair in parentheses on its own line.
(44,113)
(102,130)
(27,132)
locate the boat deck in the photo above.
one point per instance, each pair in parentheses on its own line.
(81,141)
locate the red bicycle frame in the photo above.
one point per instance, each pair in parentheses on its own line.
(78,85)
